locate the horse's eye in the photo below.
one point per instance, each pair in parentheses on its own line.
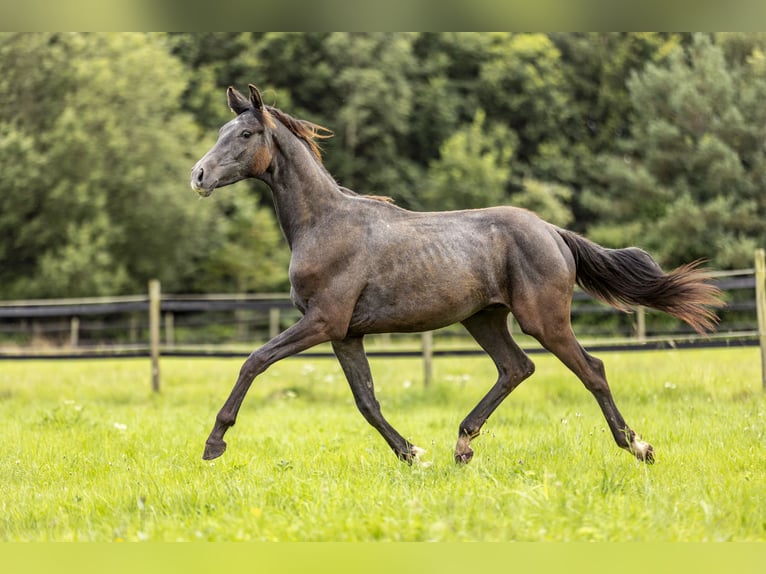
(246,134)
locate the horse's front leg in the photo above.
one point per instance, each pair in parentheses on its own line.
(301,336)
(353,360)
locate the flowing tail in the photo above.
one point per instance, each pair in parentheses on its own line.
(628,277)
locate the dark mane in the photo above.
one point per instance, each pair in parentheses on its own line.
(305,130)
(309,132)
(351,192)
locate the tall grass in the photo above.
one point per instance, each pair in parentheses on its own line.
(90,454)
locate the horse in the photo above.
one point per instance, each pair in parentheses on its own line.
(360,265)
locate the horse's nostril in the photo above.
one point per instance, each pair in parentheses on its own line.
(197,177)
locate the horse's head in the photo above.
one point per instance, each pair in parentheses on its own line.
(243,148)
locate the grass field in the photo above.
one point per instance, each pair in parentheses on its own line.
(89,454)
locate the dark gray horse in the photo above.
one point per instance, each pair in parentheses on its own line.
(362,266)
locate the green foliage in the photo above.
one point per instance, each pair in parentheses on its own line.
(523,85)
(90,455)
(472,168)
(549,200)
(100,154)
(690,182)
(249,255)
(372,74)
(626,137)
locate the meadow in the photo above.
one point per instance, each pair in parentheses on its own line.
(91,454)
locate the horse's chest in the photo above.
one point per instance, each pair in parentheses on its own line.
(315,279)
(302,285)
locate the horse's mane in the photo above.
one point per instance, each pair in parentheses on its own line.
(352,193)
(307,131)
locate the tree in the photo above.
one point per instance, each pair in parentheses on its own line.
(596,68)
(100,159)
(472,170)
(547,199)
(248,254)
(689,183)
(523,87)
(651,139)
(214,61)
(372,74)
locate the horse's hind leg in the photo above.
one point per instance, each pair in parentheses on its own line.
(547,319)
(490,329)
(353,360)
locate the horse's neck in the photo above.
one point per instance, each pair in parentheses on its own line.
(302,189)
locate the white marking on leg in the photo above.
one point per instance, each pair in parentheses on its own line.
(417,453)
(640,448)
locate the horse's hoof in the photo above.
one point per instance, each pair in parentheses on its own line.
(463,450)
(643,451)
(464,457)
(648,455)
(417,452)
(213,449)
(412,455)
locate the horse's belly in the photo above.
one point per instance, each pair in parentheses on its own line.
(410,306)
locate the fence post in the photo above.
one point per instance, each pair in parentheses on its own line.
(428,357)
(154,332)
(641,324)
(760,302)
(274,318)
(170,330)
(74,331)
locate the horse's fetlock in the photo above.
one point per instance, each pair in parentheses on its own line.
(225,420)
(469,432)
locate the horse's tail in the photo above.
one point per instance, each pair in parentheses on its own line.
(628,277)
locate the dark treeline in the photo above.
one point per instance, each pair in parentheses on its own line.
(657,140)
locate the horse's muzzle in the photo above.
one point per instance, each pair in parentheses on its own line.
(198,183)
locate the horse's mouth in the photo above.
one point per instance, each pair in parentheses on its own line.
(202,192)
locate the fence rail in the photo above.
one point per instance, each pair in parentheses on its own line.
(133,326)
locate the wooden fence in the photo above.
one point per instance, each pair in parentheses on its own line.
(154,314)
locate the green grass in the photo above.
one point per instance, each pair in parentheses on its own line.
(89,454)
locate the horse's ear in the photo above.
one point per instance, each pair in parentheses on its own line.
(237,102)
(255,97)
